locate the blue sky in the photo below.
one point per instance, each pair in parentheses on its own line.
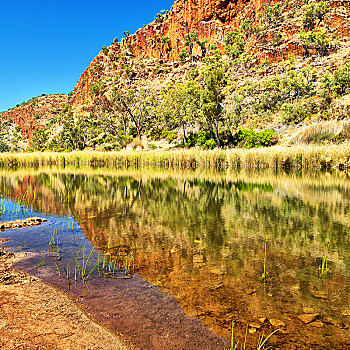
(46,45)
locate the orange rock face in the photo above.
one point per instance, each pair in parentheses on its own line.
(213,19)
(35,113)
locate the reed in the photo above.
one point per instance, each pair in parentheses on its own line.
(264,273)
(260,345)
(323,269)
(41,262)
(300,156)
(262,341)
(58,270)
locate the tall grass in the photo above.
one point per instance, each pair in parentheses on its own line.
(328,131)
(300,156)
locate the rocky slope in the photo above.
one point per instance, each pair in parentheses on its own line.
(281,41)
(271,32)
(34,114)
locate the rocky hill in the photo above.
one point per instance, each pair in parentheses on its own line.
(279,65)
(271,32)
(34,114)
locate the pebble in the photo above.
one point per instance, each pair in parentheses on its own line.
(308,318)
(277,323)
(255,325)
(317,324)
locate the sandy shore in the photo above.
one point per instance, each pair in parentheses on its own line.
(34,315)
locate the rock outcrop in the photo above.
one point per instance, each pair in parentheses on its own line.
(271,39)
(35,113)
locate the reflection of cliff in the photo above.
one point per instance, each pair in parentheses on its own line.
(203,240)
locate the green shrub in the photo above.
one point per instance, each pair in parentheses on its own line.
(226,137)
(170,136)
(234,44)
(202,139)
(248,138)
(183,55)
(105,50)
(192,139)
(209,144)
(272,14)
(154,133)
(342,79)
(294,113)
(4,147)
(317,38)
(312,12)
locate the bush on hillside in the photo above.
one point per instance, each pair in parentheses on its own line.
(4,147)
(248,138)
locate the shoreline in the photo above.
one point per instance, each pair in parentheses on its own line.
(37,315)
(280,157)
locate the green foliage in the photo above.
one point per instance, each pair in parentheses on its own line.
(165,40)
(210,144)
(105,50)
(160,17)
(170,136)
(98,89)
(246,25)
(183,55)
(317,38)
(39,139)
(273,14)
(243,60)
(312,12)
(248,138)
(4,147)
(342,79)
(190,40)
(203,46)
(234,44)
(201,139)
(212,96)
(129,71)
(294,113)
(226,138)
(181,103)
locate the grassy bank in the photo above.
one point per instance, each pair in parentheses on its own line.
(307,156)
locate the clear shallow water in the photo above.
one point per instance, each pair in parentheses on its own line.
(200,236)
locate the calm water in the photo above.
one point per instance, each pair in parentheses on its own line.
(217,246)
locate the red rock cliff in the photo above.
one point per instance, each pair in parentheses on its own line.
(164,38)
(35,113)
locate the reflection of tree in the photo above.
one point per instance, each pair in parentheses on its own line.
(207,214)
(184,223)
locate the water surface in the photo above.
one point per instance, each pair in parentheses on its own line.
(195,250)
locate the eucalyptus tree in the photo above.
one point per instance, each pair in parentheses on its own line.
(108,112)
(135,105)
(212,96)
(182,103)
(190,40)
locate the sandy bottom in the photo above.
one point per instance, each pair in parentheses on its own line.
(34,315)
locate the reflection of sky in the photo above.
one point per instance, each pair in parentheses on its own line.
(63,229)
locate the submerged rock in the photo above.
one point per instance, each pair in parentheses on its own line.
(308,318)
(22,223)
(276,323)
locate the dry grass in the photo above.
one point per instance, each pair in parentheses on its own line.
(300,156)
(321,132)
